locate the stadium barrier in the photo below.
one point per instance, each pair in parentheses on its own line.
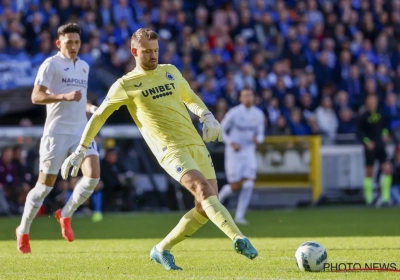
(290,162)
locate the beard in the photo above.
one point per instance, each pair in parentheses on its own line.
(149,65)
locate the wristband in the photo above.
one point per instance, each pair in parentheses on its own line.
(81,150)
(93,109)
(205,115)
(366,140)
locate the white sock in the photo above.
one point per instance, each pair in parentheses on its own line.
(34,200)
(82,191)
(244,199)
(225,192)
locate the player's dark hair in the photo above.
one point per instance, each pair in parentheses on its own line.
(143,33)
(68,28)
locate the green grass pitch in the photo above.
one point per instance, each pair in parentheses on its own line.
(118,247)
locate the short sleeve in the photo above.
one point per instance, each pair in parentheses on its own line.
(45,74)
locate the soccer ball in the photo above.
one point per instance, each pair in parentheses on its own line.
(311,256)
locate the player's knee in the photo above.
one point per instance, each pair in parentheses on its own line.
(203,190)
(248,184)
(198,185)
(38,194)
(368,171)
(90,183)
(387,168)
(235,186)
(47,179)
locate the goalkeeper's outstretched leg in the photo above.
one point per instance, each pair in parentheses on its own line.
(207,206)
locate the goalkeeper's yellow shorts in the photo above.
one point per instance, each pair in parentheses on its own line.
(178,162)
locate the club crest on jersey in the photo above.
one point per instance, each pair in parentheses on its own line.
(84,70)
(169,76)
(179,169)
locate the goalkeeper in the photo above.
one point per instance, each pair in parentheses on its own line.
(156,95)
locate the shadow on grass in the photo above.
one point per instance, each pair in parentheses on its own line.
(274,224)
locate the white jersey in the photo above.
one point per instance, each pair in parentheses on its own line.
(239,126)
(61,75)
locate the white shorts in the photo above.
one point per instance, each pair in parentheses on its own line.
(54,149)
(239,169)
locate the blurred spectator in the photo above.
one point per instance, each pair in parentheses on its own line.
(347,122)
(273,111)
(392,109)
(306,104)
(341,101)
(312,123)
(280,127)
(298,127)
(353,85)
(115,179)
(8,182)
(288,105)
(326,117)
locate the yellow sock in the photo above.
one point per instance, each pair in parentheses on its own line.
(188,225)
(220,216)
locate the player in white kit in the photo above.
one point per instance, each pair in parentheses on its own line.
(61,85)
(243,128)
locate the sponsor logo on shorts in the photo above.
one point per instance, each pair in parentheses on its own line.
(179,169)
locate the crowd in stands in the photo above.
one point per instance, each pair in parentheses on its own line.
(310,63)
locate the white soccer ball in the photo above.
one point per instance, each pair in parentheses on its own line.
(311,256)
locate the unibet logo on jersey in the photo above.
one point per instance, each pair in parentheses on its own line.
(159,91)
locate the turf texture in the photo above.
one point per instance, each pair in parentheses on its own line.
(119,246)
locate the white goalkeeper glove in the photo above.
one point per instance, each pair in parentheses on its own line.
(75,161)
(211,128)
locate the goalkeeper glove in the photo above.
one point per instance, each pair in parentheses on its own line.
(75,161)
(211,128)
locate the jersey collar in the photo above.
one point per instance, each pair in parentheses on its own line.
(64,57)
(147,71)
(245,108)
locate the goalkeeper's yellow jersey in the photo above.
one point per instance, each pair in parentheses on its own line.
(156,100)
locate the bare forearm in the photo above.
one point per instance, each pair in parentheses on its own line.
(42,98)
